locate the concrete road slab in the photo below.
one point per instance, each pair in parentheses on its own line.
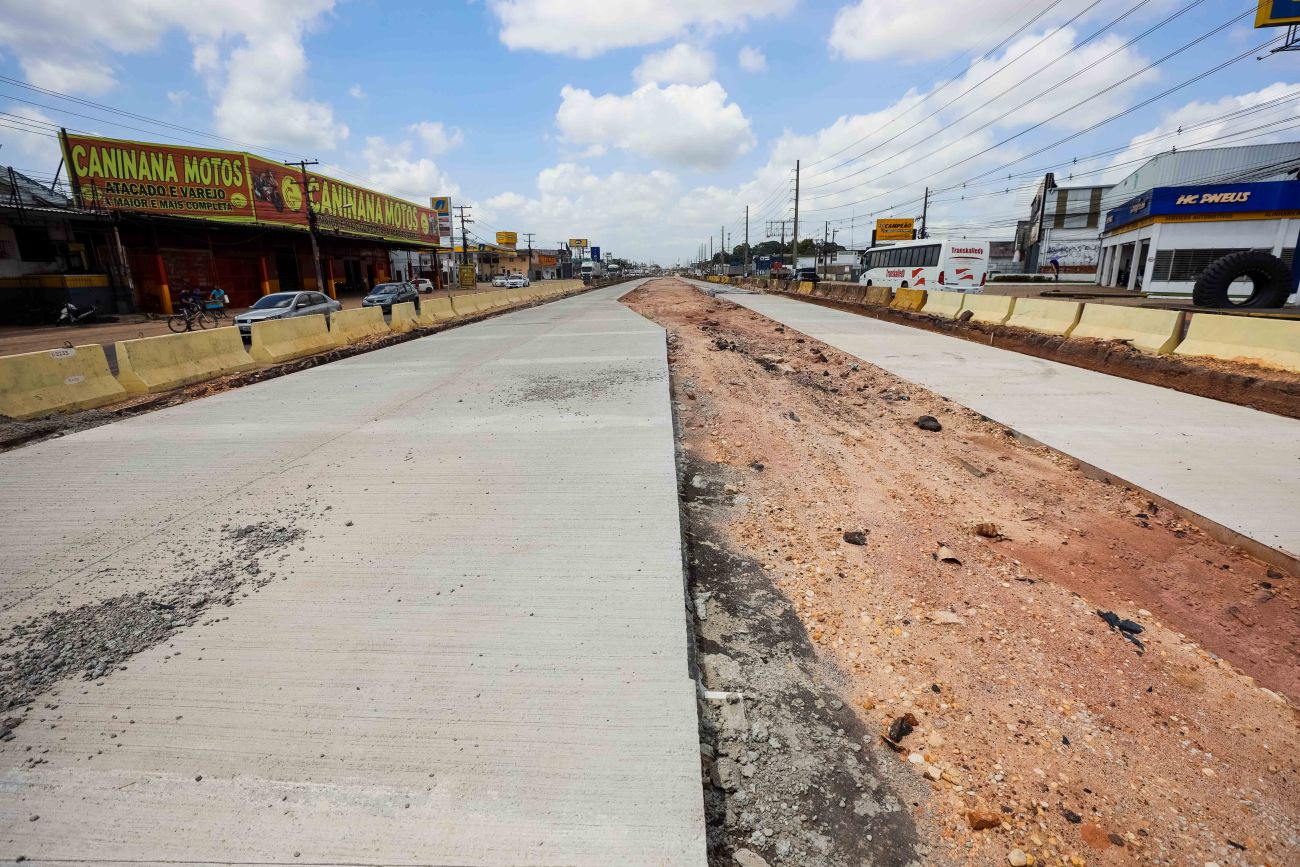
(1235,466)
(471,651)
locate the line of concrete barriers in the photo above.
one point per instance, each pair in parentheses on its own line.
(62,380)
(1255,339)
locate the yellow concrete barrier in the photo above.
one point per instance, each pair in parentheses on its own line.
(56,380)
(909,299)
(349,326)
(1046,316)
(945,304)
(854,294)
(805,287)
(1270,342)
(878,296)
(277,340)
(435,310)
(989,309)
(402,318)
(153,364)
(1154,331)
(516,296)
(465,304)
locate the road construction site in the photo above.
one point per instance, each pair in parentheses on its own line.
(648,576)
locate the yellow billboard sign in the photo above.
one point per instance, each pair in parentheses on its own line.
(507,239)
(579,242)
(1277,13)
(895,230)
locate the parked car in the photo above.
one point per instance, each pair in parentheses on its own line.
(423,285)
(807,275)
(499,280)
(516,281)
(284,305)
(385,295)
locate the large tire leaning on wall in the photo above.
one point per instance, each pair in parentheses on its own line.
(1269,274)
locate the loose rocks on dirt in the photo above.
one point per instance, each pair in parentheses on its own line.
(856,537)
(928,422)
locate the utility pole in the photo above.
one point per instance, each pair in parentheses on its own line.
(311,220)
(529,236)
(826,232)
(464,238)
(795,240)
(746,271)
(722,247)
(925,210)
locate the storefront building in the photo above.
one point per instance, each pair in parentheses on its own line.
(197,218)
(1162,240)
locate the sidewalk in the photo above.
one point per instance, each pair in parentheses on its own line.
(1234,466)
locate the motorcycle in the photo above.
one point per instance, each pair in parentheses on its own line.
(71,314)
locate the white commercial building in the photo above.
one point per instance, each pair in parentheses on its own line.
(1162,240)
(1065,221)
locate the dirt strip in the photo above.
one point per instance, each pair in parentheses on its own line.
(956,575)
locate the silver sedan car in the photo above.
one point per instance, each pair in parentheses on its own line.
(283,305)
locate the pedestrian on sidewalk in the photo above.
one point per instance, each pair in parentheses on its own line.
(1056,269)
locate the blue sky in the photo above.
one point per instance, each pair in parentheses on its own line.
(636,123)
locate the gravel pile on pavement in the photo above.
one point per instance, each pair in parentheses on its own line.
(94,639)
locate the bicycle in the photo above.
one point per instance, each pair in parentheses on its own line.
(188,318)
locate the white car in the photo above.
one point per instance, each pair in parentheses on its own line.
(499,280)
(423,285)
(516,281)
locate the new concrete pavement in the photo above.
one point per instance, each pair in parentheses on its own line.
(474,654)
(1236,466)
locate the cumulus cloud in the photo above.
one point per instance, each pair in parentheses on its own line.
(438,139)
(682,124)
(751,59)
(403,169)
(1252,118)
(871,30)
(612,210)
(681,64)
(30,135)
(588,28)
(250,53)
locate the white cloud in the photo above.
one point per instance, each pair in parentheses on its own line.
(31,138)
(356,92)
(587,28)
(681,64)
(178,98)
(693,126)
(872,30)
(751,59)
(250,53)
(1201,124)
(571,201)
(437,138)
(401,169)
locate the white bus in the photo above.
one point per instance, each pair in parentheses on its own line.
(960,266)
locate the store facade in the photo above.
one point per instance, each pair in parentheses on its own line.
(1162,240)
(196,218)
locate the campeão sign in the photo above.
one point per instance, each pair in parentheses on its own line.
(231,187)
(894,230)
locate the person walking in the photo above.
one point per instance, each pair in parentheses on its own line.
(1056,269)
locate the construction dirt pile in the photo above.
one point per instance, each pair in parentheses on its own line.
(985,656)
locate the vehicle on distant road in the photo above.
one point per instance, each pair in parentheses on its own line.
(423,285)
(285,305)
(516,281)
(955,265)
(807,275)
(385,295)
(499,280)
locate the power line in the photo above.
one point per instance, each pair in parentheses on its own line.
(1061,141)
(1039,96)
